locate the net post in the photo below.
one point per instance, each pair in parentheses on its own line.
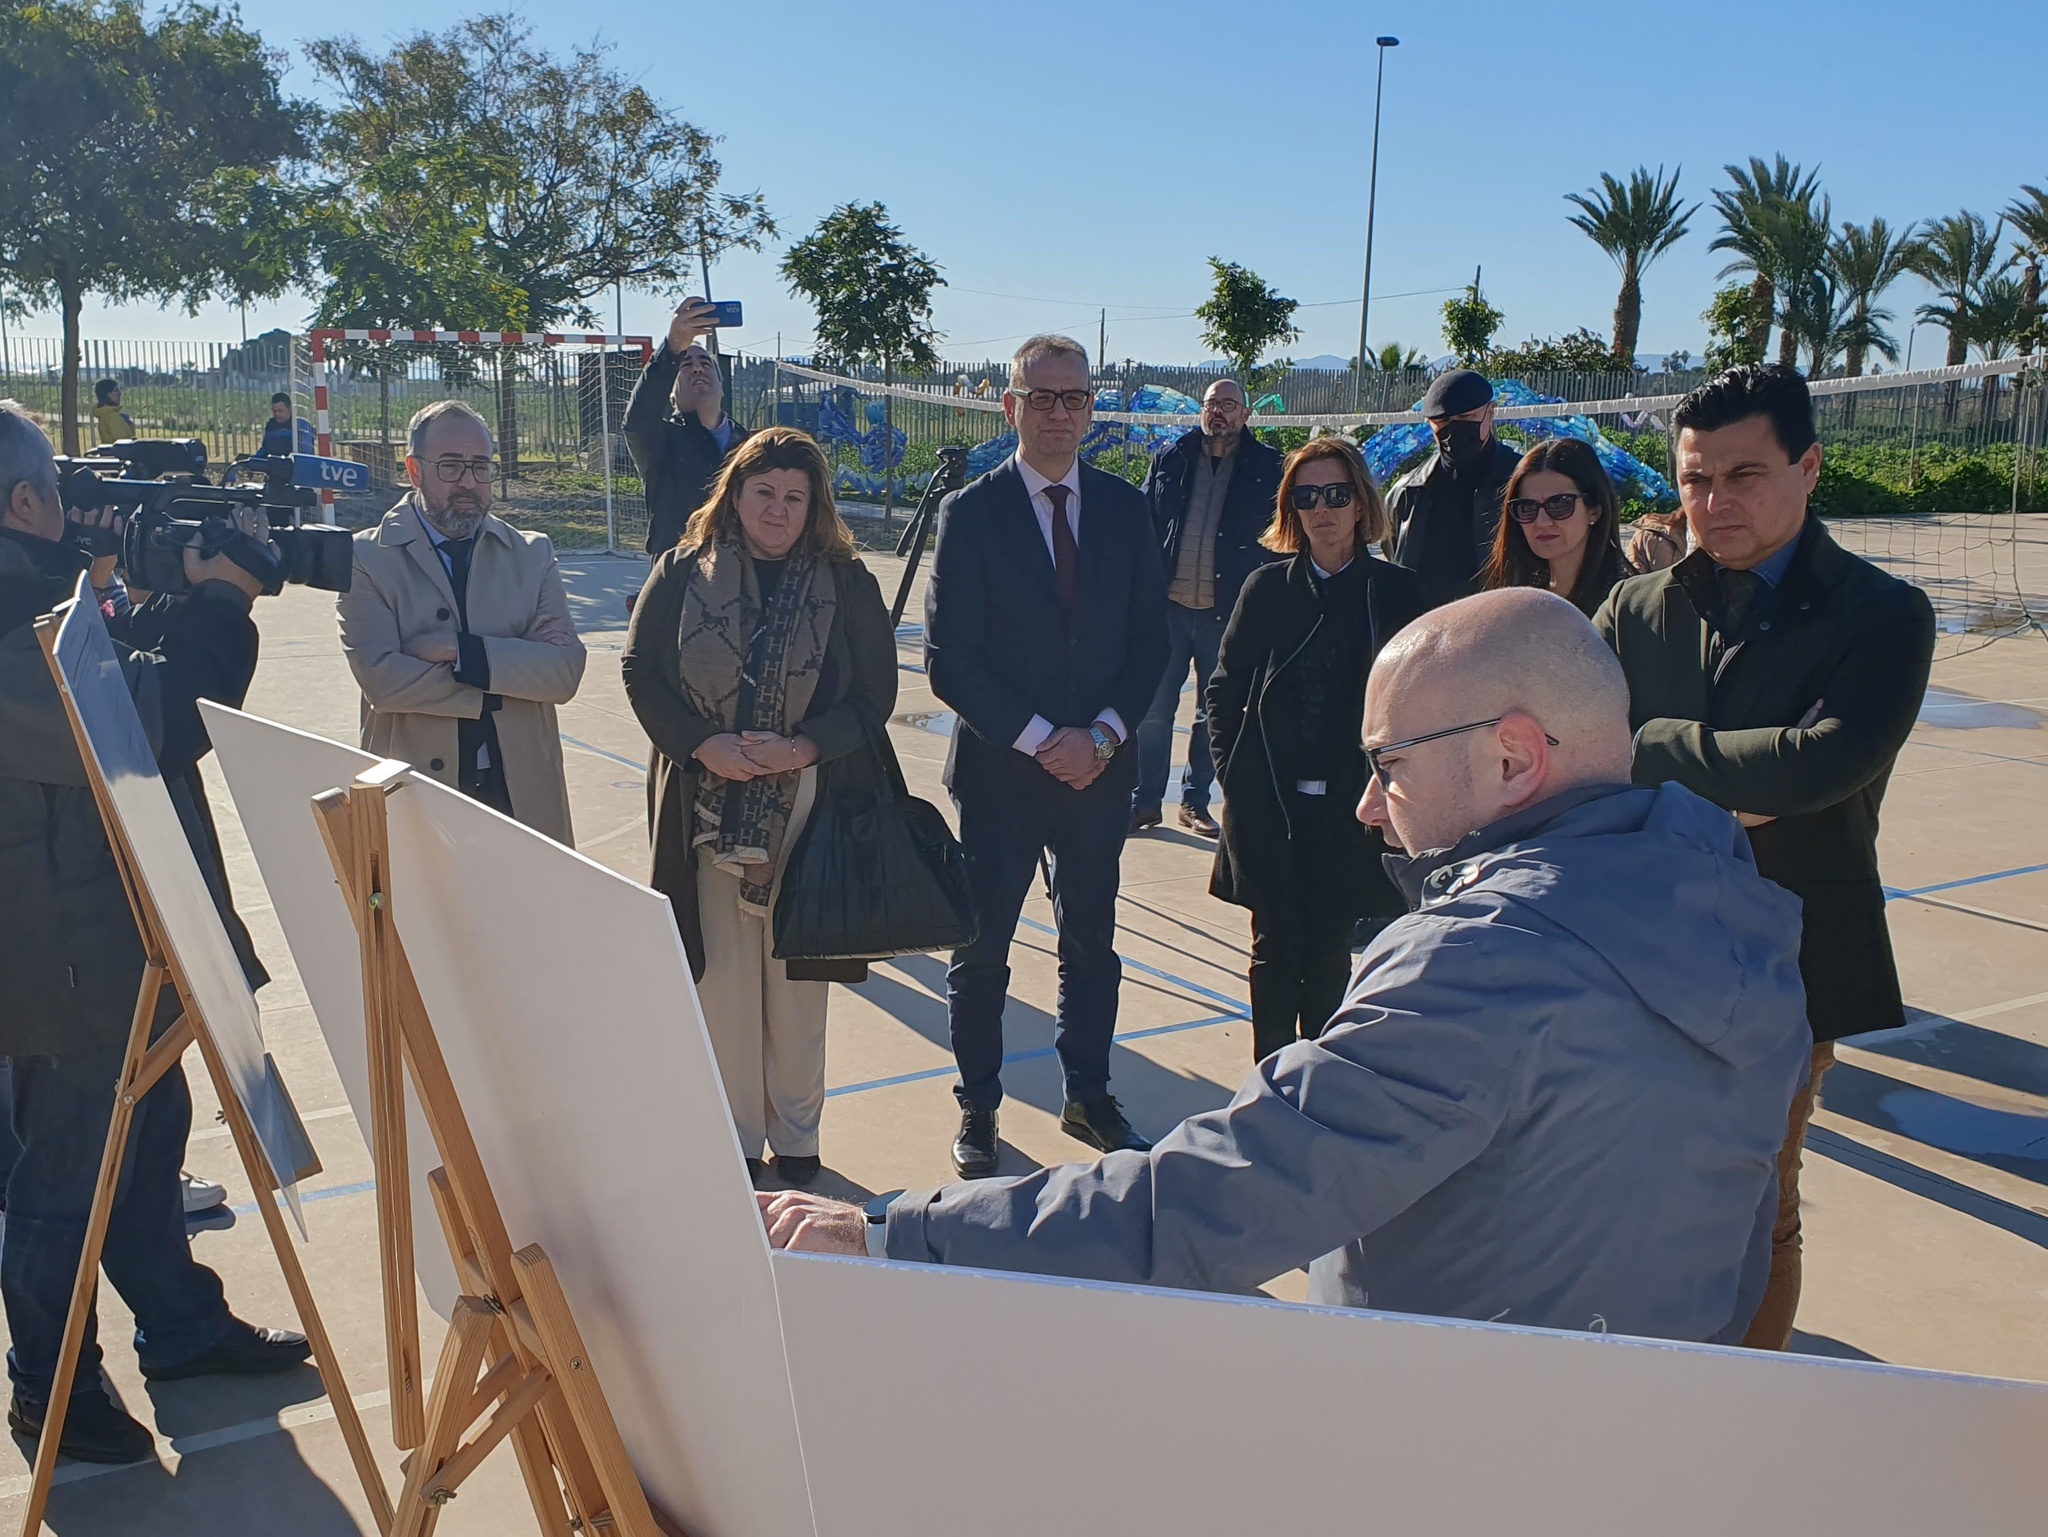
(604,425)
(323,434)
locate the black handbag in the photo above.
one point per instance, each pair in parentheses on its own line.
(876,872)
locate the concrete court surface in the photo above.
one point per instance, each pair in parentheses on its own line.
(1926,1186)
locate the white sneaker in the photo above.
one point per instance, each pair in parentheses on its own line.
(202,1194)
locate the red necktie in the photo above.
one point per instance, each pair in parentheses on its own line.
(1066,555)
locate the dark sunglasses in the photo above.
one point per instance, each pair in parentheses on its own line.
(1304,497)
(1375,757)
(1523,509)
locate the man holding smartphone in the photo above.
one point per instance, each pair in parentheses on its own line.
(676,427)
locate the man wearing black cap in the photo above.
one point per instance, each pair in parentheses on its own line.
(1445,510)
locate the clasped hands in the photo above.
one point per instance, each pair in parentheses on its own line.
(744,755)
(1069,756)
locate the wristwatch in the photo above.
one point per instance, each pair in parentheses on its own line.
(1105,744)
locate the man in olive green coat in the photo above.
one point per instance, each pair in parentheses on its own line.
(1778,675)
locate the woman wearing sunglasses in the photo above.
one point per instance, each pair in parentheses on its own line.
(1285,703)
(1563,526)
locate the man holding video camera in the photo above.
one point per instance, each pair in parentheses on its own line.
(71,963)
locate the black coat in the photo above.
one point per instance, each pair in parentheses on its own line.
(677,457)
(1255,722)
(1841,632)
(1248,505)
(996,645)
(1412,503)
(70,956)
(859,666)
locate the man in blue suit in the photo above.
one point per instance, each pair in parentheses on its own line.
(1045,631)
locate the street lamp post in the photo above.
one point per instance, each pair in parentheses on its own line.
(1372,189)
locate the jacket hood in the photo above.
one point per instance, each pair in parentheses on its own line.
(35,576)
(1715,954)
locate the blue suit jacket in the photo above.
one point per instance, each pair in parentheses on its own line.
(997,646)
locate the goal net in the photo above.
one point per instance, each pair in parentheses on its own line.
(1935,475)
(555,404)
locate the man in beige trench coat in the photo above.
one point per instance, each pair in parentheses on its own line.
(458,631)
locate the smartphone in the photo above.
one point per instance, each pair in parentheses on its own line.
(727,314)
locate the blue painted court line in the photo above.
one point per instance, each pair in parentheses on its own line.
(308,1197)
(1893,894)
(631,763)
(1239,1010)
(951,1071)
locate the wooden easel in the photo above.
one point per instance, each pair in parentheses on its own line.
(144,1063)
(513,1364)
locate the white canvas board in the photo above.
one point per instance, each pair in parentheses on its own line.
(563,1004)
(194,939)
(935,1401)
(272,773)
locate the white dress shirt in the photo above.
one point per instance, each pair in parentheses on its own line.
(1038,728)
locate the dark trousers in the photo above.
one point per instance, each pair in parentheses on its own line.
(61,1110)
(1301,944)
(1194,635)
(1003,833)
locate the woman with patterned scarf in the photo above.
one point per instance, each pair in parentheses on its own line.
(754,650)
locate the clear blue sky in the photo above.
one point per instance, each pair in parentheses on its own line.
(1058,156)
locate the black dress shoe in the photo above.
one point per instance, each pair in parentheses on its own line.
(1197,819)
(246,1352)
(95,1429)
(797,1168)
(974,1150)
(1143,819)
(1100,1123)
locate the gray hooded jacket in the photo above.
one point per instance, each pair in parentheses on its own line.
(1554,1096)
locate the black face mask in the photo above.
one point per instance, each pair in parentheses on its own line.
(1464,446)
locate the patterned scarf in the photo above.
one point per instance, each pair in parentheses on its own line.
(725,641)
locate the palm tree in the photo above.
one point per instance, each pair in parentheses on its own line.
(1634,224)
(1799,235)
(2001,323)
(1956,255)
(1393,358)
(1746,210)
(1863,261)
(2028,216)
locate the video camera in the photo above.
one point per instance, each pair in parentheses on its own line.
(161,486)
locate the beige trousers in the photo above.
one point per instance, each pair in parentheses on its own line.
(767,1031)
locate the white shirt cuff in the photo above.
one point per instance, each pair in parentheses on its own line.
(1115,722)
(1033,736)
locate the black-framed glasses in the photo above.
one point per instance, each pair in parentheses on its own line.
(1336,494)
(454,471)
(1375,757)
(1076,401)
(1558,508)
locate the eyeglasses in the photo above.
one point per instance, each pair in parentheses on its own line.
(1076,401)
(1524,509)
(1380,769)
(457,470)
(1337,494)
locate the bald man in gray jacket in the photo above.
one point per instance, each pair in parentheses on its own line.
(1555,1092)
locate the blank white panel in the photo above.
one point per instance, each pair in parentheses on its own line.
(942,1400)
(272,774)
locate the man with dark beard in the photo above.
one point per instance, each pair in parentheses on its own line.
(458,631)
(1446,510)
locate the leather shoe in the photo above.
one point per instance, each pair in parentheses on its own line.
(246,1352)
(96,1429)
(1100,1123)
(1197,819)
(974,1150)
(797,1168)
(1143,817)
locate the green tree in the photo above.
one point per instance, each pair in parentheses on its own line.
(1583,351)
(1864,260)
(1957,255)
(1393,359)
(479,183)
(1736,328)
(1800,233)
(2028,216)
(1244,319)
(1750,227)
(1634,224)
(149,157)
(871,291)
(1469,325)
